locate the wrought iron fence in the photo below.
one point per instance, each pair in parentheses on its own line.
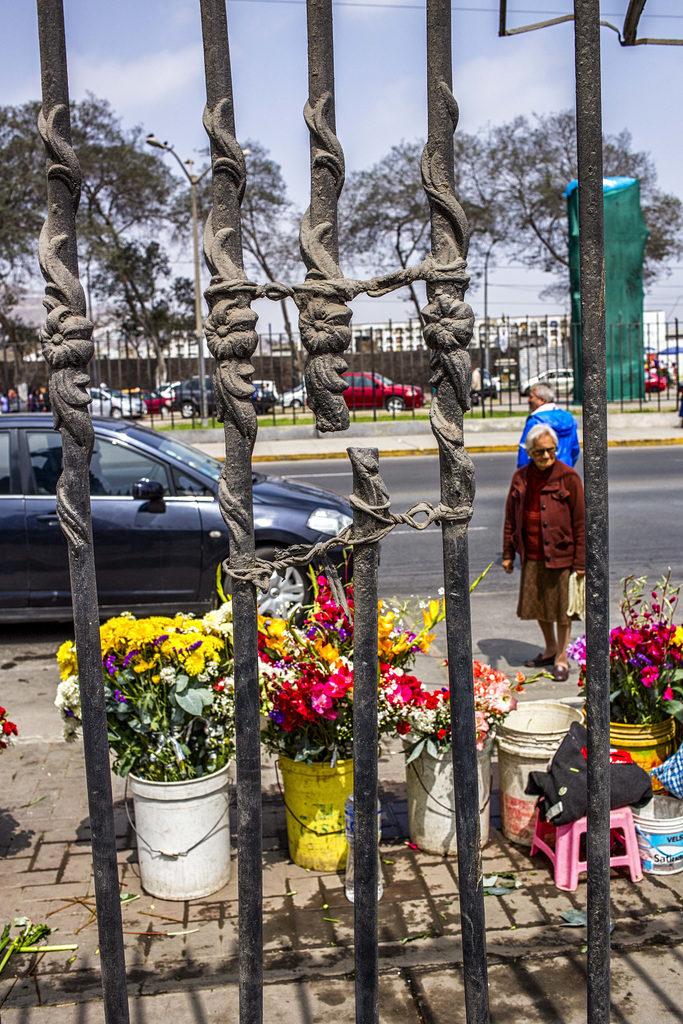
(324,317)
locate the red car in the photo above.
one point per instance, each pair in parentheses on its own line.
(654,381)
(373,391)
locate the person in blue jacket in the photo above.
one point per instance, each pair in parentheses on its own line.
(542,409)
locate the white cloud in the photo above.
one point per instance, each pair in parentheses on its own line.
(523,79)
(135,86)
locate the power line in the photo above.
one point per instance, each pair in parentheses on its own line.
(454,7)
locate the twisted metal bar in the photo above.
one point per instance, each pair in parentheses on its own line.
(324,318)
(304,554)
(448,330)
(67,347)
(232,339)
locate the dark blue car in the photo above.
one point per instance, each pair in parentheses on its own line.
(159,535)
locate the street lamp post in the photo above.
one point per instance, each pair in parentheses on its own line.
(194,180)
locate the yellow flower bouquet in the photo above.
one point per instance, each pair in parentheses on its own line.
(169,692)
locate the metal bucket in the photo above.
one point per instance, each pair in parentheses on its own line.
(431,810)
(527,740)
(659,826)
(183,831)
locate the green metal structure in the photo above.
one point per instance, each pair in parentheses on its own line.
(625,237)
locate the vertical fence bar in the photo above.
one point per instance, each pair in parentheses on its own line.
(449,323)
(592,275)
(67,346)
(369,488)
(324,318)
(232,339)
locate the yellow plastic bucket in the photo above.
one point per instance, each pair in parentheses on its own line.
(314,801)
(648,745)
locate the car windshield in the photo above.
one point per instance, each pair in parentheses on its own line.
(184,454)
(385,380)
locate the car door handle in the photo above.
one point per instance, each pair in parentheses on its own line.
(49,517)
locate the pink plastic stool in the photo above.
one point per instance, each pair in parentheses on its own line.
(565,855)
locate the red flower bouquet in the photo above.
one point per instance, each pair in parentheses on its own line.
(646,656)
(7,730)
(306,674)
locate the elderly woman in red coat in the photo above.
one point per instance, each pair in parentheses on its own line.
(544,525)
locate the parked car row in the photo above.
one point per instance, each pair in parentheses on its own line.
(159,536)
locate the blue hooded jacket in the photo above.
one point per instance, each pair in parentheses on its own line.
(564,425)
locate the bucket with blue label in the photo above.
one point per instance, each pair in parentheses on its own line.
(659,827)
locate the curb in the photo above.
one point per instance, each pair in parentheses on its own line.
(472,448)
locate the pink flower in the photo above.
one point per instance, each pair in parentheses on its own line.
(649,676)
(668,694)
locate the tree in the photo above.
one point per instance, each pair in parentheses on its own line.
(532,162)
(126,202)
(384,215)
(269,226)
(510,180)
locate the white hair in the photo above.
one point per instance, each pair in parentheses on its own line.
(542,430)
(543,391)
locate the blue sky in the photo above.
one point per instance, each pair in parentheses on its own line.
(145,57)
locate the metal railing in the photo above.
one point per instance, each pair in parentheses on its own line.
(324,317)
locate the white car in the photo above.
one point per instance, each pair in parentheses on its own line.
(295,397)
(561,380)
(115,404)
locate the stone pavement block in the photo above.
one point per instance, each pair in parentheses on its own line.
(403,869)
(278,932)
(37,879)
(645,986)
(49,855)
(307,892)
(309,928)
(419,917)
(328,1001)
(391,926)
(439,879)
(414,890)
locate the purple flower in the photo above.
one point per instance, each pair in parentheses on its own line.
(160,639)
(110,664)
(277,716)
(129,657)
(193,647)
(119,697)
(577,650)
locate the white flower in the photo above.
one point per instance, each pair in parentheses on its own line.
(168,673)
(203,677)
(69,696)
(220,620)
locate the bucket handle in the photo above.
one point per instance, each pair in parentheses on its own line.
(334,832)
(167,853)
(445,807)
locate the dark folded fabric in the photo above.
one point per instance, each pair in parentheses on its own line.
(563,787)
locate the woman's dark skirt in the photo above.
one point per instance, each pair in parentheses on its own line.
(543,593)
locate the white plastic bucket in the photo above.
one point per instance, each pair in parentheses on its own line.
(659,827)
(527,740)
(431,810)
(183,831)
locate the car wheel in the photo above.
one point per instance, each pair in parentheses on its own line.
(296,404)
(286,594)
(116,413)
(187,410)
(395,404)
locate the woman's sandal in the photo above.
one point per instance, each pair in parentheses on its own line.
(539,661)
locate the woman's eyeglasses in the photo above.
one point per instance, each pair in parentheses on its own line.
(544,451)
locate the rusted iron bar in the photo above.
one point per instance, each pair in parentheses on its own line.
(324,317)
(67,347)
(594,375)
(232,339)
(448,330)
(369,490)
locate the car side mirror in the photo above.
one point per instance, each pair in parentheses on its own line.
(152,492)
(377,385)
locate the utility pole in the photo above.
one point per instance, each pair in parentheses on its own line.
(194,180)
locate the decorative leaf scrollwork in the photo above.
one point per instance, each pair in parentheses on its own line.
(449,320)
(324,318)
(66,335)
(230,327)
